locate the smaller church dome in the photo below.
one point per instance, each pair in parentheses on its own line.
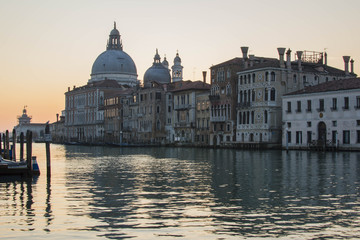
(157,72)
(165,63)
(177,59)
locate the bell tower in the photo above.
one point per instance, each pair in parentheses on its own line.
(114,42)
(177,69)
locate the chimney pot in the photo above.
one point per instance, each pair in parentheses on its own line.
(352,66)
(346,62)
(204,76)
(288,59)
(281,52)
(244,51)
(299,54)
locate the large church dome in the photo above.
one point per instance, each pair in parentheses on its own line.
(157,72)
(114,63)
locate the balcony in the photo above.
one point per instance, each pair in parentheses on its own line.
(218,119)
(182,106)
(214,98)
(244,105)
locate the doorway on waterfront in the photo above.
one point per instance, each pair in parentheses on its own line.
(321,133)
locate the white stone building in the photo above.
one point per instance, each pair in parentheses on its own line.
(24,125)
(263,81)
(324,115)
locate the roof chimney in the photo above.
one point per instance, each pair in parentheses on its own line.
(244,51)
(288,59)
(299,54)
(352,66)
(57,117)
(346,62)
(325,58)
(204,76)
(281,52)
(251,58)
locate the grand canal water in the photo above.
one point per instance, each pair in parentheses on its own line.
(184,193)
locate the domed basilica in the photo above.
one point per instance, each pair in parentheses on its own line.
(114,63)
(159,72)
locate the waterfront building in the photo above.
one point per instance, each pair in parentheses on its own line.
(57,129)
(185,94)
(322,116)
(202,129)
(263,81)
(222,98)
(84,111)
(24,125)
(112,71)
(114,112)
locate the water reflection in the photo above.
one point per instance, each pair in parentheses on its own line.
(147,193)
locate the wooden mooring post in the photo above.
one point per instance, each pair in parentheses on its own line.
(14,146)
(47,146)
(28,149)
(7,145)
(21,146)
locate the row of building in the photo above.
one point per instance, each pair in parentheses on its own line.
(291,101)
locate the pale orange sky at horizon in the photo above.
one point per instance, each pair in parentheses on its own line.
(48,46)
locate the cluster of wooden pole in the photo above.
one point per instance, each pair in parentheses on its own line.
(5,151)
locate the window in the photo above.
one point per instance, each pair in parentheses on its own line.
(309,138)
(158,96)
(309,124)
(308,105)
(304,80)
(289,124)
(272,94)
(334,137)
(272,76)
(294,78)
(357,102)
(358,136)
(298,137)
(346,137)
(358,122)
(334,104)
(346,103)
(288,107)
(169,109)
(321,105)
(266,95)
(298,106)
(252,117)
(265,116)
(288,137)
(334,123)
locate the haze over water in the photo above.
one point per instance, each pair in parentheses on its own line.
(184,193)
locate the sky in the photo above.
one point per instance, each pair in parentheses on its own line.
(47,46)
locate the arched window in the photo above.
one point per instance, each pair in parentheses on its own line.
(272,94)
(249,95)
(265,116)
(253,78)
(241,96)
(272,76)
(248,117)
(244,118)
(304,80)
(245,96)
(241,80)
(253,95)
(295,78)
(266,95)
(244,79)
(267,76)
(240,118)
(252,117)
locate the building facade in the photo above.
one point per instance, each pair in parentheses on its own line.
(323,116)
(263,81)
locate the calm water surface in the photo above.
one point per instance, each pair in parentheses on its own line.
(184,193)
